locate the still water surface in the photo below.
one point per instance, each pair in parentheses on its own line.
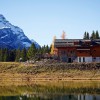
(71,90)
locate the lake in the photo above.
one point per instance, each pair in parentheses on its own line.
(50,90)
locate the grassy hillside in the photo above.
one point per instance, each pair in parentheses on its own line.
(50,71)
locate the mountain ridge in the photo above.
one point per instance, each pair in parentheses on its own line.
(12,36)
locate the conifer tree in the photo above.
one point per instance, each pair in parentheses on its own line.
(12,55)
(24,54)
(85,36)
(31,51)
(6,55)
(97,35)
(18,55)
(43,49)
(39,50)
(1,55)
(47,49)
(93,35)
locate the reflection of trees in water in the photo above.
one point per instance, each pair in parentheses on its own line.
(9,98)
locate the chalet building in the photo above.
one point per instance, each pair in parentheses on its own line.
(77,50)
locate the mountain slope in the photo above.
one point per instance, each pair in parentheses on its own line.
(12,36)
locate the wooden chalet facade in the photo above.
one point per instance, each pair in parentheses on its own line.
(77,50)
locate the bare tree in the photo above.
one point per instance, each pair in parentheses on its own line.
(63,36)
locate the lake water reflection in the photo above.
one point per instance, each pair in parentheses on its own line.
(70,90)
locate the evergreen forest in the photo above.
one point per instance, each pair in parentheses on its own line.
(24,54)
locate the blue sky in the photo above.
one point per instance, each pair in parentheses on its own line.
(41,20)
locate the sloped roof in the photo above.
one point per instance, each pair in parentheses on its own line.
(71,40)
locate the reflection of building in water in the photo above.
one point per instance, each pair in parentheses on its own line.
(88,97)
(62,96)
(77,50)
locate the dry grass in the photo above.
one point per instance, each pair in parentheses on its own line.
(13,71)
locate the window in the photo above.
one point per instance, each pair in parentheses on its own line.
(79,59)
(83,59)
(94,57)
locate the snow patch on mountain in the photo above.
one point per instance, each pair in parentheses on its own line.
(4,36)
(26,44)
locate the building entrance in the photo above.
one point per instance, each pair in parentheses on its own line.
(69,60)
